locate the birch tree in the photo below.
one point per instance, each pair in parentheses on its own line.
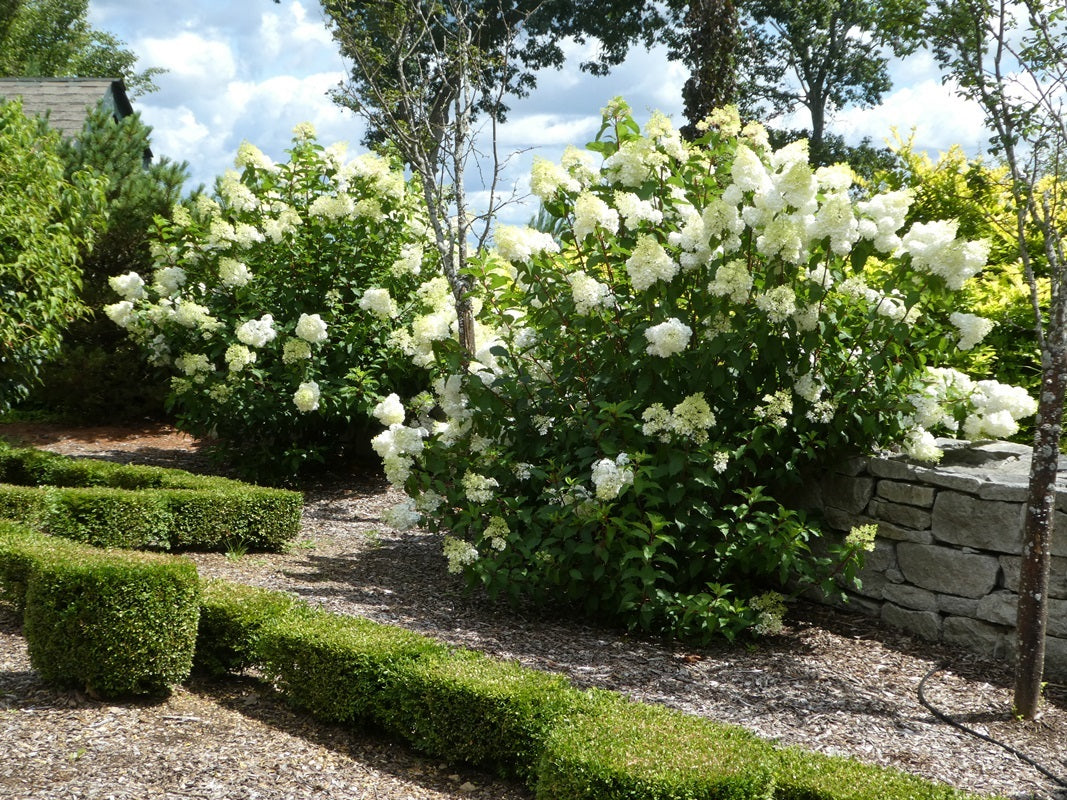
(1008,56)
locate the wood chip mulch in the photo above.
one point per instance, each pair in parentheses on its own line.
(837,683)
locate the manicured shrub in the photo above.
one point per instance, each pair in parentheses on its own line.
(618,749)
(113,623)
(337,667)
(112,505)
(466,707)
(232,617)
(259,304)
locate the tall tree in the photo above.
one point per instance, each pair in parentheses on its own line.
(53,39)
(822,54)
(710,52)
(1008,56)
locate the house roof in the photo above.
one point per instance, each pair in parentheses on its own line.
(67,101)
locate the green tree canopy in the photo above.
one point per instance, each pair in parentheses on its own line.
(53,39)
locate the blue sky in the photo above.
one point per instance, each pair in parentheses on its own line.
(251,70)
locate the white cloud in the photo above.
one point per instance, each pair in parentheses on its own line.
(189,56)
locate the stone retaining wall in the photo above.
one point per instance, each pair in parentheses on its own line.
(946,561)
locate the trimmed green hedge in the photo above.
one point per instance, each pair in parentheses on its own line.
(139,507)
(113,623)
(232,617)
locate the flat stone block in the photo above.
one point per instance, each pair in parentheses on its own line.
(1013,490)
(978,637)
(852,466)
(887,530)
(841,520)
(907,493)
(911,597)
(1057,583)
(948,571)
(983,524)
(907,516)
(1056,658)
(999,607)
(957,606)
(925,624)
(850,494)
(892,468)
(945,479)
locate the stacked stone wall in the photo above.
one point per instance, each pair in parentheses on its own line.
(947,557)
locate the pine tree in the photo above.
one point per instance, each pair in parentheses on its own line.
(99,376)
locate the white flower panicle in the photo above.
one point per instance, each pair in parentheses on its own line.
(732,280)
(130,286)
(295,350)
(547,178)
(380,303)
(610,477)
(668,338)
(972,328)
(403,516)
(397,448)
(306,397)
(238,357)
(588,293)
(778,303)
(634,210)
(590,213)
(233,273)
(390,411)
(520,244)
(460,553)
(168,281)
(691,418)
(478,488)
(933,246)
(121,313)
(649,263)
(311,328)
(257,332)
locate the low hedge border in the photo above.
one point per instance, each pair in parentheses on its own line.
(140,507)
(566,744)
(94,618)
(113,623)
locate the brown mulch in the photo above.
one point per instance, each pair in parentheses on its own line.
(834,682)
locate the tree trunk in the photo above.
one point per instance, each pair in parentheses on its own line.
(1032,616)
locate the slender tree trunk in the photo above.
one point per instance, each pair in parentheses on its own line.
(1032,613)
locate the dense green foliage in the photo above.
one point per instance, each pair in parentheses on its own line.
(109,623)
(46,221)
(97,376)
(715,321)
(111,505)
(53,39)
(258,304)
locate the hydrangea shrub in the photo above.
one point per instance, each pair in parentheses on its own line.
(271,303)
(715,322)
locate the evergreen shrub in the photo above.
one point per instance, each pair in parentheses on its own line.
(112,623)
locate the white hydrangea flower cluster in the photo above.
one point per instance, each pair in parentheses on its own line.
(649,263)
(306,397)
(778,303)
(397,447)
(496,533)
(168,281)
(610,477)
(520,244)
(991,409)
(402,516)
(460,553)
(933,246)
(634,210)
(668,338)
(257,332)
(390,411)
(692,418)
(233,273)
(588,293)
(311,328)
(732,280)
(129,286)
(238,357)
(776,408)
(972,328)
(478,488)
(590,213)
(195,365)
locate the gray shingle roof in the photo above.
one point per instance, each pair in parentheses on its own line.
(67,100)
